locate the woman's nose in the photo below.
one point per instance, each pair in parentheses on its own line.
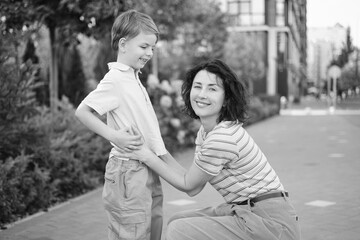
(202,93)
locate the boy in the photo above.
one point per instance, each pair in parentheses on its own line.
(132,192)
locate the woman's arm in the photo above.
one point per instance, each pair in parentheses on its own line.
(191,181)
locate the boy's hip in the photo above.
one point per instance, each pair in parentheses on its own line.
(130,184)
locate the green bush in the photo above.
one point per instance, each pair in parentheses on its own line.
(76,157)
(63,160)
(177,129)
(261,108)
(23,188)
(46,156)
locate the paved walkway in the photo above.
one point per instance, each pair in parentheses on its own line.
(317,157)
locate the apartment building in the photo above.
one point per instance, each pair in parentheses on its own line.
(324,45)
(279,26)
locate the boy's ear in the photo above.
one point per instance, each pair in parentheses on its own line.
(121,45)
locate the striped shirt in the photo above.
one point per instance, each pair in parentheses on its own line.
(239,167)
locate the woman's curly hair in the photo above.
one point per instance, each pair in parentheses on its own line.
(236,95)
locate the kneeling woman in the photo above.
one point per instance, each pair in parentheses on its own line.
(257,205)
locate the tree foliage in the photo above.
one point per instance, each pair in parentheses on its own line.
(45,157)
(350,72)
(168,15)
(200,33)
(345,52)
(244,53)
(199,24)
(64,19)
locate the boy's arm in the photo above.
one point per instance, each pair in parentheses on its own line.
(86,116)
(121,138)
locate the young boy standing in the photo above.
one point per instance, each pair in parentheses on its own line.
(132,192)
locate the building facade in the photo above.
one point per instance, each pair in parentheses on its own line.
(281,26)
(324,45)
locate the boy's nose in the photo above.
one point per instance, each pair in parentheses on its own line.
(149,52)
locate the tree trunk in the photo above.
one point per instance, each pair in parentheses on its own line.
(251,87)
(155,63)
(54,72)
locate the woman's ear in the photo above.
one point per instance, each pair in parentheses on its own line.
(122,43)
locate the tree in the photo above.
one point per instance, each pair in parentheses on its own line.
(346,50)
(204,32)
(349,73)
(245,54)
(64,19)
(168,15)
(72,79)
(187,35)
(17,98)
(199,33)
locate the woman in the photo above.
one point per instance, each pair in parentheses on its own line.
(257,206)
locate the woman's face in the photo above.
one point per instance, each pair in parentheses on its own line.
(207,96)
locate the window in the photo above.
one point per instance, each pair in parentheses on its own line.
(280,13)
(247,12)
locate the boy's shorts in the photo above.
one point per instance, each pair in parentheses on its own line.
(133,199)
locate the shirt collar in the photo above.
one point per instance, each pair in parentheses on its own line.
(122,67)
(222,124)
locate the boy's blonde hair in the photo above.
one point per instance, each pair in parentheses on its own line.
(129,24)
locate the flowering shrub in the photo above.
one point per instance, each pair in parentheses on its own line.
(177,129)
(262,107)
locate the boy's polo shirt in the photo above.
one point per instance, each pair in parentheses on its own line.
(125,100)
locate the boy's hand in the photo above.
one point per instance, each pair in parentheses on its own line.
(127,140)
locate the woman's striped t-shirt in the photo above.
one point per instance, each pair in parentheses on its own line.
(240,168)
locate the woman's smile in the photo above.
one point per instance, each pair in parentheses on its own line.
(202,103)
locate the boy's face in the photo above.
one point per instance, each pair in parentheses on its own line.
(136,52)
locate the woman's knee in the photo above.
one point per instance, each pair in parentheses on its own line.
(176,229)
(176,216)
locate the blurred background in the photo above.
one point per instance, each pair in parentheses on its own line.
(53,53)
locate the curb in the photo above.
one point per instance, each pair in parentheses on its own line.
(50,209)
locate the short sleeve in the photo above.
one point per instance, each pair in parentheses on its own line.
(104,98)
(214,153)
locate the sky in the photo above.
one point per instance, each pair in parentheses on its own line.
(326,13)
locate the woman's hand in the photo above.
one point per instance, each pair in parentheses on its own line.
(143,154)
(126,140)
